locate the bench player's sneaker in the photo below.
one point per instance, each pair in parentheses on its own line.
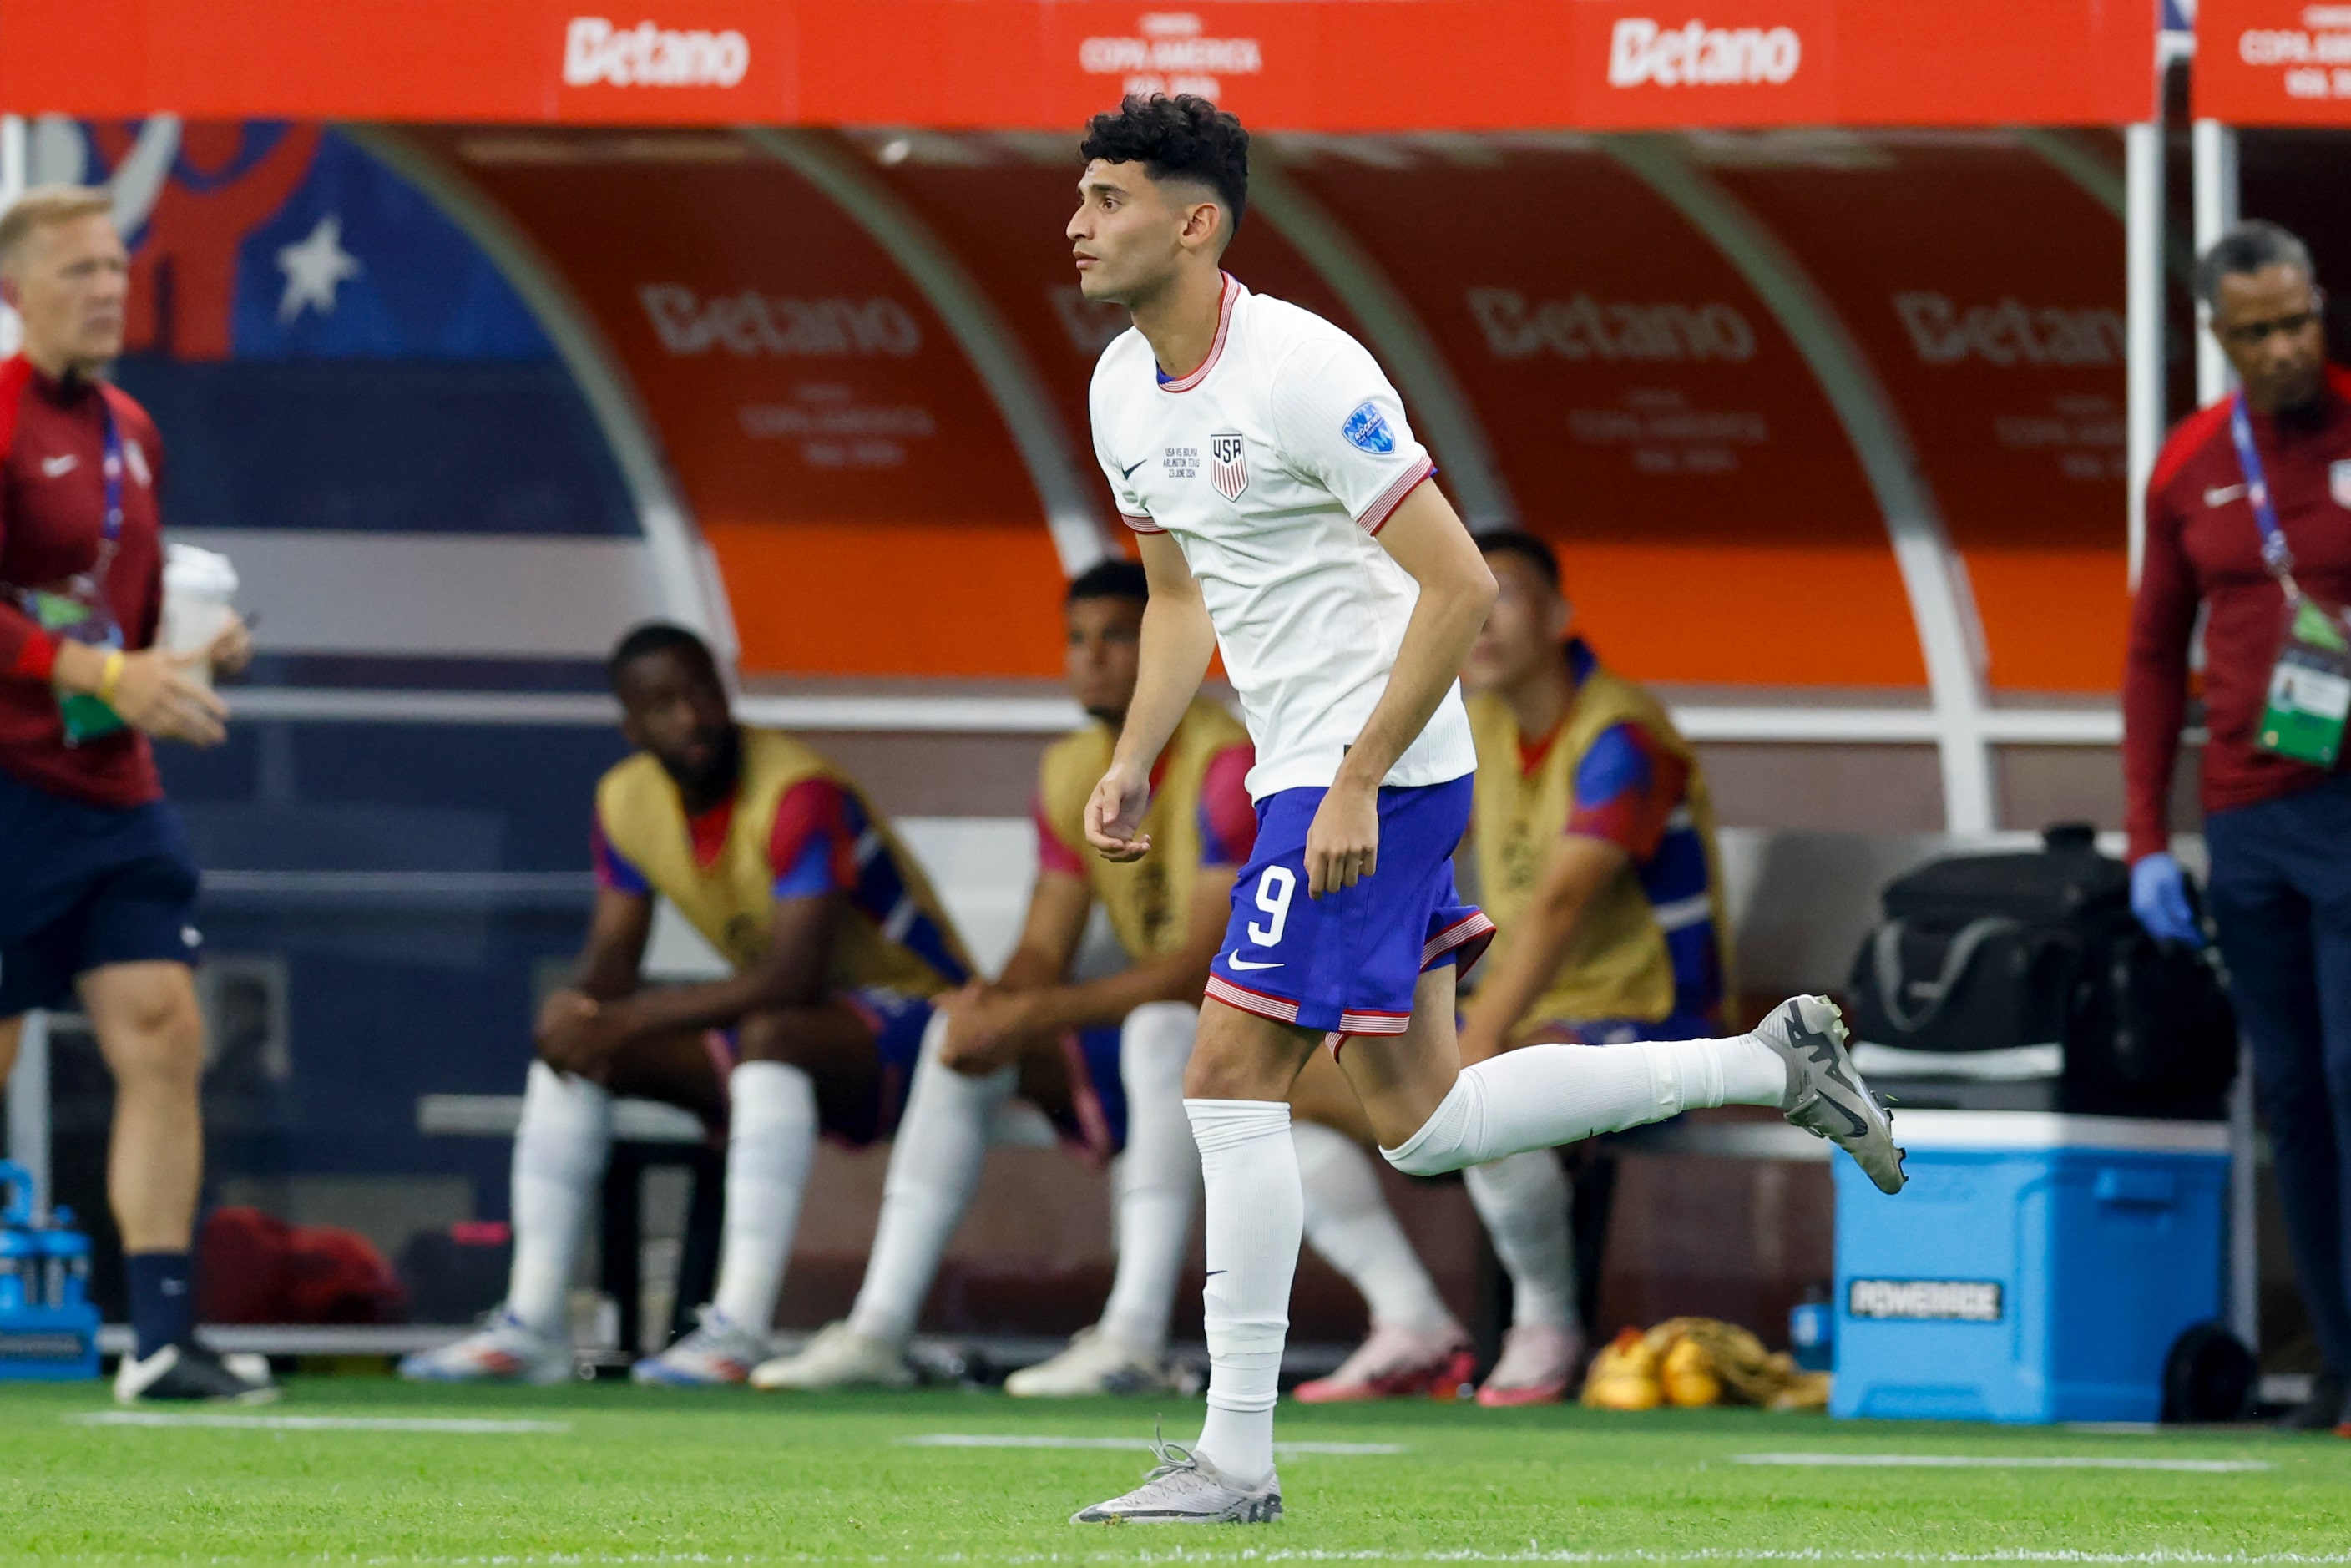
(718,1353)
(504,1350)
(1825,1096)
(186,1372)
(838,1357)
(1093,1363)
(1187,1490)
(1396,1364)
(1536,1366)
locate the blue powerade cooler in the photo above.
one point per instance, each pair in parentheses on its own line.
(49,1329)
(2037,1268)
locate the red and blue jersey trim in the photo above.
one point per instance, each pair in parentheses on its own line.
(1225,303)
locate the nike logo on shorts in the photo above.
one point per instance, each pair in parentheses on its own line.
(59,466)
(2222,494)
(1129,473)
(1238,962)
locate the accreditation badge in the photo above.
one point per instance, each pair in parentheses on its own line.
(2310,687)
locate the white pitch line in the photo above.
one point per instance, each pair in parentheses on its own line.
(1030,1440)
(1999,1462)
(318,1423)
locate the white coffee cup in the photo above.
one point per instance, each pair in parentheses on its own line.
(198,586)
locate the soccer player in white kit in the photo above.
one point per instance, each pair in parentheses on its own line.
(1286,516)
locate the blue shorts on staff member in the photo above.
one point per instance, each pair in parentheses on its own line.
(88,886)
(1347,963)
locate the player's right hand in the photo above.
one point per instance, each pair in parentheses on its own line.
(1114,815)
(156,696)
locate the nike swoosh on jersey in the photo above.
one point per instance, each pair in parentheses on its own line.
(2222,494)
(1129,473)
(1238,962)
(57,467)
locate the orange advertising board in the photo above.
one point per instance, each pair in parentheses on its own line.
(1985,288)
(1648,412)
(840,453)
(1331,64)
(2274,62)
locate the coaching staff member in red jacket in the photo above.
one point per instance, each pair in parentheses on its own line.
(2273,464)
(96,889)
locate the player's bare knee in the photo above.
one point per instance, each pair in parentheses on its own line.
(597,1072)
(155,1044)
(1217,1077)
(773,1034)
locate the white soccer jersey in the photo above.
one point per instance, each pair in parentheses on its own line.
(1274,464)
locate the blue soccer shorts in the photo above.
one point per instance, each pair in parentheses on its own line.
(1347,963)
(84,886)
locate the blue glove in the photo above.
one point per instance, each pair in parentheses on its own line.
(2160,899)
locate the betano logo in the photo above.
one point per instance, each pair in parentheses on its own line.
(1584,329)
(1695,55)
(596,51)
(752,323)
(2009,333)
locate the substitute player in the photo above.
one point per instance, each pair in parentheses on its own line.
(96,888)
(1038,1031)
(1285,518)
(838,946)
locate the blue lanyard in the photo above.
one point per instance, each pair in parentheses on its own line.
(111,465)
(2276,555)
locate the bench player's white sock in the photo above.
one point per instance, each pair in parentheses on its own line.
(770,1142)
(1158,1177)
(935,1162)
(1349,1223)
(1540,1096)
(1523,1199)
(559,1151)
(1248,1168)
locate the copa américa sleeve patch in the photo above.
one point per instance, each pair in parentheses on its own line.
(1367,429)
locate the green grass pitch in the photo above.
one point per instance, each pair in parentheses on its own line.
(624,1475)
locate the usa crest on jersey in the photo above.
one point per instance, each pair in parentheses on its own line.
(1227,464)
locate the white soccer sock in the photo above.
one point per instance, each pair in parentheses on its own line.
(1349,1223)
(1158,1177)
(1249,1167)
(770,1142)
(1540,1096)
(1524,1200)
(559,1151)
(934,1161)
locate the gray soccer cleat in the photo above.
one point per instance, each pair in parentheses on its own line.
(1187,1490)
(1825,1096)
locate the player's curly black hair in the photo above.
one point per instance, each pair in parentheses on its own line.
(1181,137)
(658,637)
(1112,579)
(1528,547)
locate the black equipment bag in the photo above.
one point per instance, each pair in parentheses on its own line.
(1986,952)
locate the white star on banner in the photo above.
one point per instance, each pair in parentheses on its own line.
(315,269)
